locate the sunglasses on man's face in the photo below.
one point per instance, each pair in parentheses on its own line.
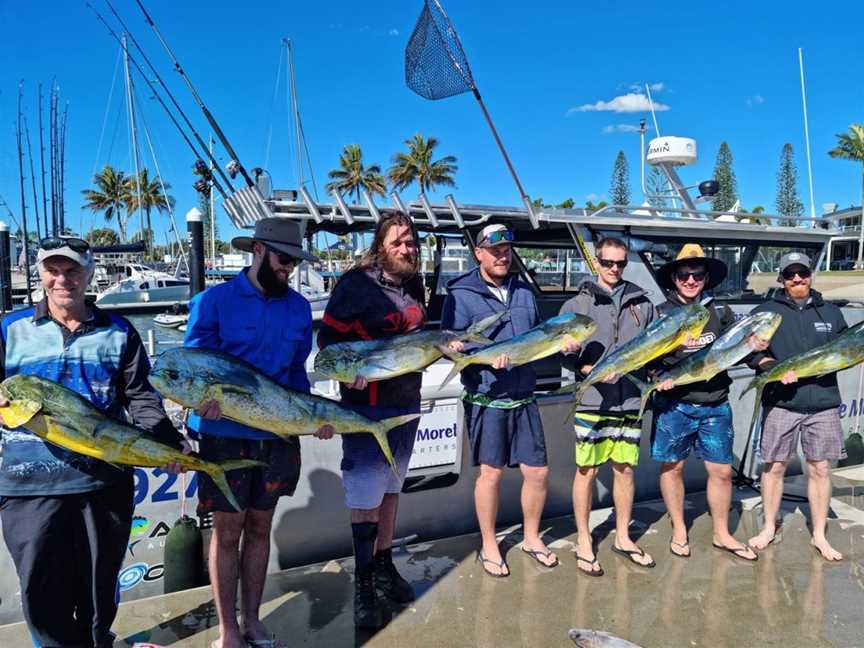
(284,259)
(56,242)
(609,263)
(789,273)
(684,275)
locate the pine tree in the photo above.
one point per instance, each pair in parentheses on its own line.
(619,190)
(659,189)
(788,204)
(725,175)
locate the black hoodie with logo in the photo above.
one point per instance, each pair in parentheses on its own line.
(803,328)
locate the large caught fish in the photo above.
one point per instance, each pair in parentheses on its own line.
(585,638)
(61,416)
(393,356)
(844,351)
(543,340)
(191,377)
(728,350)
(659,338)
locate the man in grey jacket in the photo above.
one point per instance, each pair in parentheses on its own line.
(606,423)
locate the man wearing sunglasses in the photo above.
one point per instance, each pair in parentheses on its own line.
(805,408)
(606,422)
(696,416)
(256,317)
(67,517)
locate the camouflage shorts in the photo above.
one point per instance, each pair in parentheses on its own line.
(257,488)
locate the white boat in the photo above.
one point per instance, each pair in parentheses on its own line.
(174,317)
(147,290)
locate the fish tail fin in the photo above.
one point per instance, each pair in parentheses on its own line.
(216,472)
(476,338)
(645,390)
(757,405)
(578,391)
(381,437)
(459,360)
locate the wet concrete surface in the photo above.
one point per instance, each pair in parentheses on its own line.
(790,597)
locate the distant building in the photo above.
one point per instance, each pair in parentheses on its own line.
(843,248)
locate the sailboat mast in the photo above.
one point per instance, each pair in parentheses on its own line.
(133,140)
(23,204)
(295,108)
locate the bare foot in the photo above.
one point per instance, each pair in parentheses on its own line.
(762,540)
(256,631)
(828,552)
(230,640)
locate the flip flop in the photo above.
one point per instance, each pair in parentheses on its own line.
(822,555)
(685,546)
(736,551)
(593,573)
(629,555)
(483,560)
(536,553)
(272,642)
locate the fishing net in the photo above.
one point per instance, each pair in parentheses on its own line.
(435,65)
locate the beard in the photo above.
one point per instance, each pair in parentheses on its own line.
(401,266)
(268,279)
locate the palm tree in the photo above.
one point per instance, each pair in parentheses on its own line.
(152,197)
(352,176)
(417,165)
(850,146)
(110,197)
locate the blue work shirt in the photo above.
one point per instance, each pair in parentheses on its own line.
(274,334)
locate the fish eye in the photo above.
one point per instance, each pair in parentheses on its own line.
(173,374)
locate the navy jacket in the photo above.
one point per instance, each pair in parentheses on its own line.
(802,328)
(470,300)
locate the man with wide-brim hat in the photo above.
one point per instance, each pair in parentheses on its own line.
(696,416)
(259,318)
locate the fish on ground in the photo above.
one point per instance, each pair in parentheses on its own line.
(659,338)
(393,356)
(192,377)
(545,339)
(63,417)
(585,638)
(726,351)
(844,351)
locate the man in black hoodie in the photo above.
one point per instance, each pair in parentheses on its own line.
(805,407)
(696,416)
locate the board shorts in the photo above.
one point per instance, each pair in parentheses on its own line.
(366,475)
(258,488)
(607,436)
(821,435)
(681,427)
(510,436)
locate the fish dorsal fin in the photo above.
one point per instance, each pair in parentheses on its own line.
(19,412)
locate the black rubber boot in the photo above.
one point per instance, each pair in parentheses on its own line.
(367,611)
(388,580)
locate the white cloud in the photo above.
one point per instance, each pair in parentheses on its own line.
(622,128)
(628,103)
(654,87)
(393,32)
(755,100)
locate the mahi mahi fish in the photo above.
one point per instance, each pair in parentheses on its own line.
(844,351)
(728,350)
(192,377)
(393,356)
(585,638)
(543,340)
(659,338)
(61,416)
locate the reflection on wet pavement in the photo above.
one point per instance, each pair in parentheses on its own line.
(790,597)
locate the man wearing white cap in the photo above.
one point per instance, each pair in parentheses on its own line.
(67,517)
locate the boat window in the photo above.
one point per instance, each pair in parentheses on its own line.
(553,269)
(753,267)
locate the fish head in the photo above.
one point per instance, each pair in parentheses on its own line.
(585,638)
(578,327)
(694,319)
(176,376)
(338,361)
(24,395)
(765,324)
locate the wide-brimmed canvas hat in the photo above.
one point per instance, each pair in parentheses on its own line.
(280,234)
(692,254)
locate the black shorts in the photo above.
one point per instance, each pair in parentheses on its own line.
(505,437)
(257,488)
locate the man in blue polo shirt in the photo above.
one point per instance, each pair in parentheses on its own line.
(259,318)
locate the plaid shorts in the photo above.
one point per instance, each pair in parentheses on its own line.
(820,432)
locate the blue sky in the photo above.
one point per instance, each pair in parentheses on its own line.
(724,71)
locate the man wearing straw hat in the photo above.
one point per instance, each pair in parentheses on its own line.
(256,317)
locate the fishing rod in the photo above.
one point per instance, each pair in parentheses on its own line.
(42,158)
(162,103)
(52,140)
(210,119)
(23,203)
(62,212)
(33,181)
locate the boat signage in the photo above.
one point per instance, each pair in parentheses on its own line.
(438,436)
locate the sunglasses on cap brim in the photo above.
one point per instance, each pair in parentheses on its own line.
(498,236)
(55,243)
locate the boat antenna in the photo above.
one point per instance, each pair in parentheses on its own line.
(42,163)
(436,67)
(807,139)
(23,204)
(653,112)
(210,119)
(33,181)
(158,97)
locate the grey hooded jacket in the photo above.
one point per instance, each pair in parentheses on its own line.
(615,326)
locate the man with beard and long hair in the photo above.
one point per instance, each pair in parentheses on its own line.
(259,318)
(382,296)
